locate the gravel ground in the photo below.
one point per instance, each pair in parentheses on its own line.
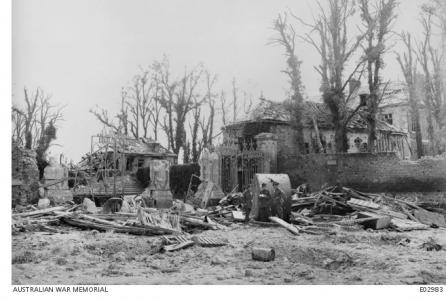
(362,257)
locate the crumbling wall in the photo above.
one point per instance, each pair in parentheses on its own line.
(25,175)
(382,172)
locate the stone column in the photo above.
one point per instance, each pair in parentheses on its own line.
(56,179)
(267,143)
(159,183)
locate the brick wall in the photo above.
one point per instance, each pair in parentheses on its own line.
(366,172)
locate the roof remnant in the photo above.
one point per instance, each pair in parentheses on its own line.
(268,110)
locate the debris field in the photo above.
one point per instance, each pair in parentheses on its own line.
(334,236)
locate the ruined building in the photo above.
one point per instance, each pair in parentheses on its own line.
(25,175)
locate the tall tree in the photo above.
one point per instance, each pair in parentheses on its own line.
(286,38)
(377,19)
(431,59)
(336,52)
(35,126)
(208,121)
(409,69)
(178,99)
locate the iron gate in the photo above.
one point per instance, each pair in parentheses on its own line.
(238,167)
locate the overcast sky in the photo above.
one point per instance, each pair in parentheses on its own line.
(83,51)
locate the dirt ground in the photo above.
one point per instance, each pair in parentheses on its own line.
(361,257)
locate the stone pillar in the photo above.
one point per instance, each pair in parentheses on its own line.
(56,180)
(159,183)
(214,160)
(267,143)
(205,165)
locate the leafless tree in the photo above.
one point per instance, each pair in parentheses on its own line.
(155,112)
(223,103)
(234,100)
(196,145)
(409,68)
(247,103)
(178,99)
(208,121)
(102,116)
(377,18)
(431,60)
(35,126)
(140,112)
(336,51)
(139,101)
(30,123)
(286,38)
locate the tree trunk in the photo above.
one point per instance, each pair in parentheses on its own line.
(431,134)
(341,143)
(418,137)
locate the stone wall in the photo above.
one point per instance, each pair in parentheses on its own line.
(25,175)
(366,172)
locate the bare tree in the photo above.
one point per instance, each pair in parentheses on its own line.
(140,113)
(223,103)
(247,103)
(409,68)
(207,122)
(103,117)
(431,60)
(234,99)
(377,22)
(177,100)
(139,102)
(36,125)
(336,52)
(286,38)
(155,111)
(195,145)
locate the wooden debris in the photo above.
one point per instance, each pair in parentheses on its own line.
(285,225)
(175,239)
(429,218)
(208,242)
(407,225)
(179,246)
(39,212)
(362,204)
(375,221)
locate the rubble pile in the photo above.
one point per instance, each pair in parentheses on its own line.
(348,209)
(326,212)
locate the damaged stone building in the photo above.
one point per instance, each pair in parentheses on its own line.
(273,117)
(112,165)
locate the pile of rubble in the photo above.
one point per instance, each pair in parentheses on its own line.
(325,212)
(348,209)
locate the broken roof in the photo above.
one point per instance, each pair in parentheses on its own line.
(271,111)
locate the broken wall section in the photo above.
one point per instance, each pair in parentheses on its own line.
(382,172)
(25,175)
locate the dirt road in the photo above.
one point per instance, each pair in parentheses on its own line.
(363,257)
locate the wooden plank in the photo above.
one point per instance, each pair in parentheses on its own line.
(285,225)
(98,220)
(362,203)
(179,246)
(39,212)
